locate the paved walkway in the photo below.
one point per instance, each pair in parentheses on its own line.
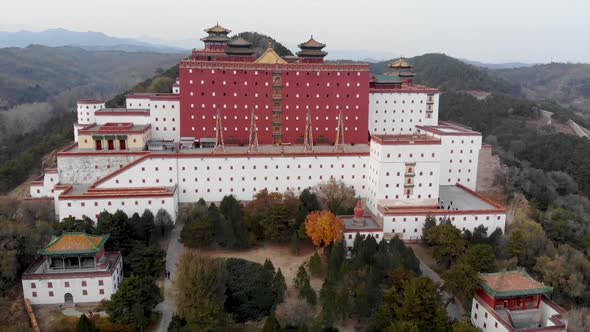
(167,307)
(454,309)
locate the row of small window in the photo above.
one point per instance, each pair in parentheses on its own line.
(156,106)
(165,129)
(485,324)
(458,180)
(317,73)
(110,204)
(395,111)
(400,120)
(403,101)
(254,189)
(459,170)
(461,151)
(84,292)
(287,106)
(416,219)
(460,161)
(231,168)
(462,141)
(93,106)
(225,117)
(266,95)
(266,129)
(67,284)
(276,178)
(411,155)
(397,185)
(410,130)
(164,119)
(307,84)
(408,195)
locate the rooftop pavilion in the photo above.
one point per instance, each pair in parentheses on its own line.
(518,302)
(73,252)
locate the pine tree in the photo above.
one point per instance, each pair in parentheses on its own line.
(295,244)
(315,265)
(85,325)
(271,324)
(301,283)
(279,286)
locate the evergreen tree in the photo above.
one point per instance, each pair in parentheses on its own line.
(86,325)
(301,283)
(294,245)
(133,290)
(279,286)
(315,265)
(271,324)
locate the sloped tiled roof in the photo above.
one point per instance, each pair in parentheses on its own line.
(270,57)
(74,243)
(312,43)
(400,63)
(217,29)
(511,283)
(239,41)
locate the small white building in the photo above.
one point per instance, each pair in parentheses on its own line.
(513,301)
(73,268)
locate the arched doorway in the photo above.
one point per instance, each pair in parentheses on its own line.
(68,300)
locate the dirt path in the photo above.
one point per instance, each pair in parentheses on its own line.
(279,254)
(168,306)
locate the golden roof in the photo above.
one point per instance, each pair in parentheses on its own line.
(270,57)
(217,29)
(75,243)
(400,63)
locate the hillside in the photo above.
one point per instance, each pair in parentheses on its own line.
(450,74)
(85,39)
(35,73)
(566,83)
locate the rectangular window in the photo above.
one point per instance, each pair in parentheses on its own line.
(66,284)
(100,282)
(51,294)
(83,283)
(101,291)
(34,294)
(84,292)
(50,285)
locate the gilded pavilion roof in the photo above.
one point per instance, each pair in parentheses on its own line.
(400,63)
(511,283)
(217,29)
(270,57)
(74,243)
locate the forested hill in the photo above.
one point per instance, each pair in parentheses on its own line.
(35,73)
(566,83)
(450,74)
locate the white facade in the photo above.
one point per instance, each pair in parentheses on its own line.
(487,319)
(395,113)
(86,109)
(410,156)
(83,286)
(165,119)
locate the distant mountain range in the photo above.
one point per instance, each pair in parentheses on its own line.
(89,40)
(506,65)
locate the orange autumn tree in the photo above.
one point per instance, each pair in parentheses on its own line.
(323,227)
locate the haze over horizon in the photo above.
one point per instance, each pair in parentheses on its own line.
(500,31)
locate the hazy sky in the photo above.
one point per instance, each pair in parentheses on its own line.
(490,30)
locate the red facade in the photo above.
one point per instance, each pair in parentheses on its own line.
(235,88)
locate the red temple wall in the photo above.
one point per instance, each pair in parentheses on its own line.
(342,91)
